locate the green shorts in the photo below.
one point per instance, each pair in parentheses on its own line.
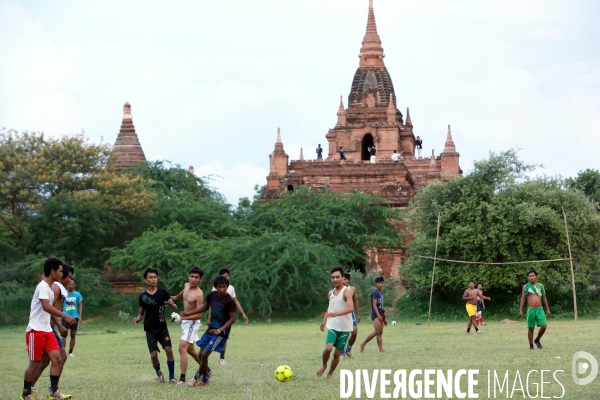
(536,316)
(339,339)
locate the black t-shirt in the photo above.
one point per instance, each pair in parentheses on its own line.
(220,307)
(342,156)
(373,151)
(419,143)
(154,309)
(319,150)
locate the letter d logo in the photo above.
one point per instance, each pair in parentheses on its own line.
(581,368)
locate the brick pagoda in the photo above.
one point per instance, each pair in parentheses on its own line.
(371,118)
(127,151)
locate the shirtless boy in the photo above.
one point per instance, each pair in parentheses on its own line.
(470,296)
(535,294)
(192,299)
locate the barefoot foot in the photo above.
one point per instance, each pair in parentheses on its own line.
(362,347)
(329,377)
(321,371)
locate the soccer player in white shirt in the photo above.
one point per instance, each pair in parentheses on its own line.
(39,336)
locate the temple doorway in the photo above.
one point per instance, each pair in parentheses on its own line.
(366,143)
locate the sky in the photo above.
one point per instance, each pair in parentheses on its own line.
(210,82)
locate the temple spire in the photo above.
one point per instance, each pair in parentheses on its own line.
(371,53)
(127,150)
(449,146)
(408,120)
(341,113)
(279,136)
(432,164)
(391,110)
(301,155)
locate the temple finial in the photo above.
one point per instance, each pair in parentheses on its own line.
(391,103)
(408,120)
(301,155)
(341,104)
(432,163)
(449,145)
(371,53)
(127,110)
(278,136)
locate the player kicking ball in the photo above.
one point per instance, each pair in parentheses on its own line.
(535,294)
(470,296)
(338,320)
(223,310)
(192,299)
(152,311)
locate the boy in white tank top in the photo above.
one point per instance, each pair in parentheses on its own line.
(338,320)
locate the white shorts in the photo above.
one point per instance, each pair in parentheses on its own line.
(373,159)
(189,330)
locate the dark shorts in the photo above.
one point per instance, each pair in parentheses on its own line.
(211,343)
(479,305)
(74,327)
(382,313)
(155,336)
(58,340)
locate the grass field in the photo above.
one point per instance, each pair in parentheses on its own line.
(112,361)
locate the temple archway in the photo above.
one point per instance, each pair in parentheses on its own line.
(290,188)
(366,143)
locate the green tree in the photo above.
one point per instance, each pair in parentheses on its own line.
(495,214)
(186,199)
(348,223)
(588,182)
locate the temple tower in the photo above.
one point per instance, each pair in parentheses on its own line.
(127,151)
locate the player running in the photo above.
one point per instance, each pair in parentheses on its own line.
(222,318)
(480,306)
(536,295)
(192,299)
(231,291)
(39,336)
(470,296)
(377,315)
(60,293)
(152,310)
(338,319)
(347,352)
(73,306)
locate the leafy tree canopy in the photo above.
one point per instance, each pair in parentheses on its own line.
(588,182)
(348,223)
(496,214)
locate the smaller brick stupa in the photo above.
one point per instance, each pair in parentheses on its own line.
(127,151)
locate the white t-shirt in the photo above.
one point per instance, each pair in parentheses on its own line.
(395,157)
(39,320)
(230,291)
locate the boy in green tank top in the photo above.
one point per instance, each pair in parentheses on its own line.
(535,294)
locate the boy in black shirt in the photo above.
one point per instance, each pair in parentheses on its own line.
(222,311)
(152,310)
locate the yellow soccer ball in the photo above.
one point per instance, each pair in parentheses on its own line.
(284,373)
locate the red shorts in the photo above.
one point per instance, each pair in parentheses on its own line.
(39,343)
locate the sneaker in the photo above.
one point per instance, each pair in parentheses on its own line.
(32,396)
(222,362)
(479,332)
(71,355)
(160,378)
(483,323)
(174,381)
(181,383)
(197,383)
(57,395)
